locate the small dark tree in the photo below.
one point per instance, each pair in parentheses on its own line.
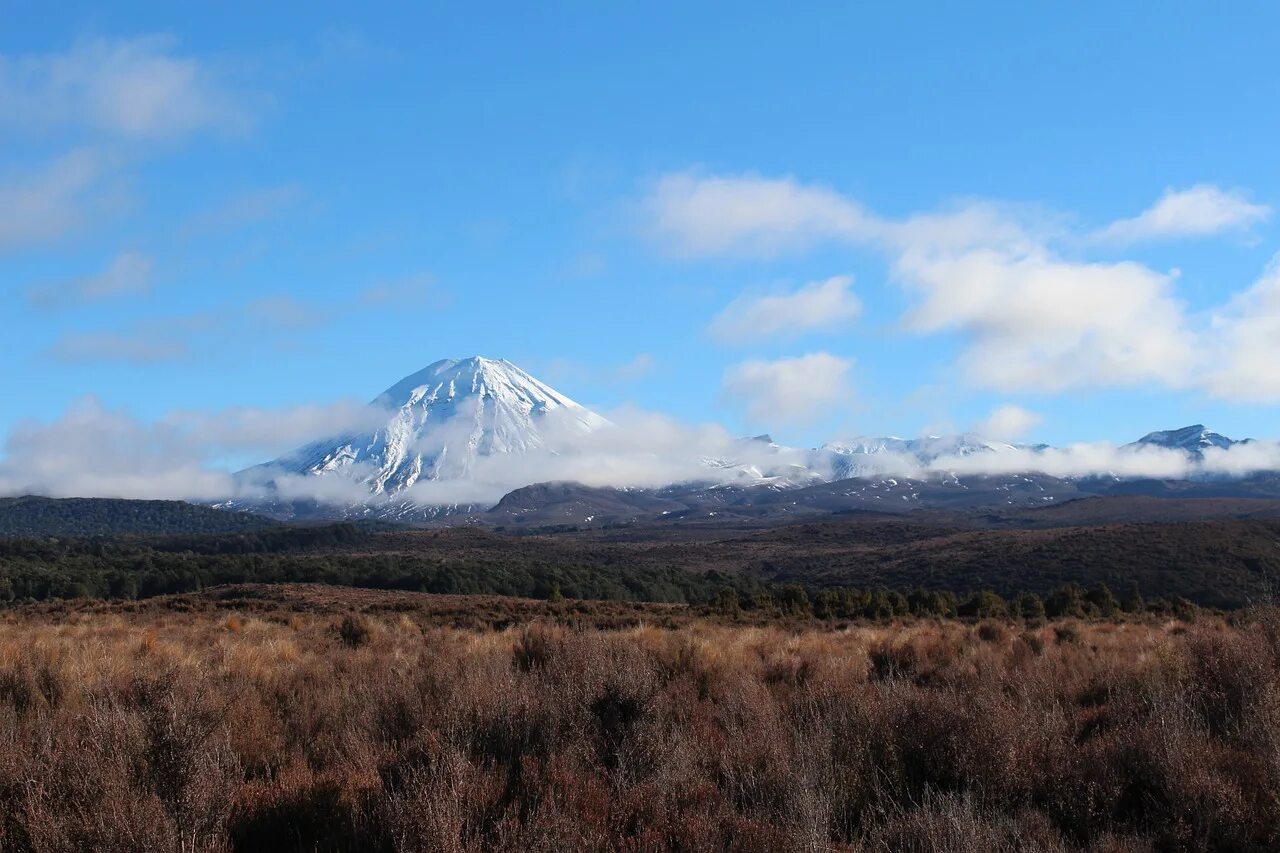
(852,603)
(1065,601)
(793,599)
(921,602)
(1133,602)
(828,605)
(727,601)
(1101,599)
(1029,608)
(984,605)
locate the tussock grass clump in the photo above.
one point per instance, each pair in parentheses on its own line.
(353,728)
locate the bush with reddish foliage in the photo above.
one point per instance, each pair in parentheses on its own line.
(358,728)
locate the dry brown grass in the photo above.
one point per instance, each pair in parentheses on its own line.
(180,726)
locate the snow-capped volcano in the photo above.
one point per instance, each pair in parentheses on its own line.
(439,422)
(455,437)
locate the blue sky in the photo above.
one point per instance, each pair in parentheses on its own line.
(236,206)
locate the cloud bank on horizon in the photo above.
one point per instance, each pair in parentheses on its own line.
(95,451)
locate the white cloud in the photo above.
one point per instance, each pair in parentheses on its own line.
(1244,353)
(94,451)
(793,390)
(133,88)
(693,215)
(1241,460)
(1039,323)
(819,306)
(1199,211)
(1075,460)
(1030,318)
(1008,422)
(128,274)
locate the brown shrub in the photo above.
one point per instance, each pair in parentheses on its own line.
(162,729)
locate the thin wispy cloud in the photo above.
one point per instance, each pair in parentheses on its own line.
(266,321)
(138,348)
(821,306)
(128,274)
(41,205)
(702,215)
(243,209)
(133,88)
(579,372)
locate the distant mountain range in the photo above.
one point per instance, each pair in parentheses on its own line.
(479,439)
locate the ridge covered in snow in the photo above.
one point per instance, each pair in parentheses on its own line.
(1194,439)
(459,434)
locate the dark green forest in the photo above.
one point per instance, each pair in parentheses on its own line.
(33,570)
(39,516)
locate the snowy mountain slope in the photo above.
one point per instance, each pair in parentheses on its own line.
(439,423)
(868,456)
(1194,439)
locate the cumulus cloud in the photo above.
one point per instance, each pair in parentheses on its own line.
(1008,422)
(95,451)
(1031,317)
(820,306)
(794,390)
(128,274)
(1036,322)
(139,88)
(1199,211)
(1244,353)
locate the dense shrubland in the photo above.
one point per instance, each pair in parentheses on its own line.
(348,555)
(353,727)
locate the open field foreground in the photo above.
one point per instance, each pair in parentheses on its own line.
(325,719)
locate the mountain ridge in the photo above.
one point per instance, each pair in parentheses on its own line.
(469,428)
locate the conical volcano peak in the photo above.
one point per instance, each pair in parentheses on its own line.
(474,376)
(442,419)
